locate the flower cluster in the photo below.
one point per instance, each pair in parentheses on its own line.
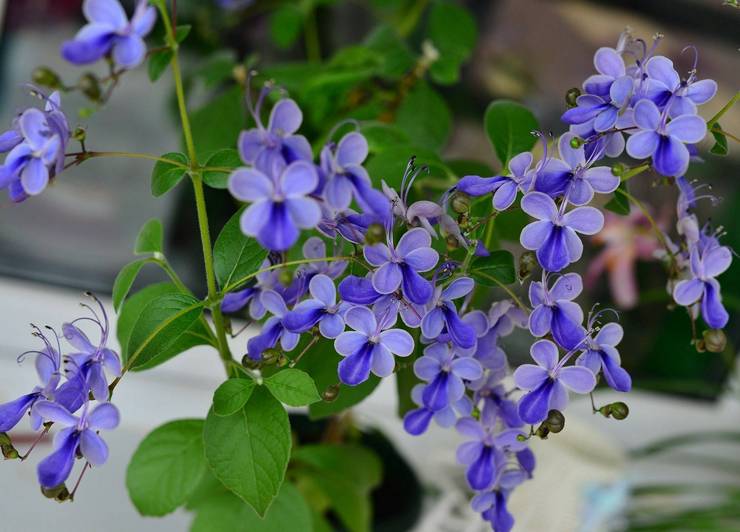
(68,384)
(35,146)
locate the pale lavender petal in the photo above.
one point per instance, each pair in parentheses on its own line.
(349,342)
(249,184)
(540,320)
(577,379)
(688,292)
(322,288)
(585,220)
(621,91)
(289,340)
(361,319)
(573,244)
(305,212)
(647,115)
(377,254)
(422,259)
(712,309)
(274,303)
(412,240)
(540,206)
(352,149)
(470,428)
(573,157)
(383,361)
(467,368)
(504,197)
(250,144)
(254,218)
(458,288)
(567,287)
(687,128)
(661,68)
(519,164)
(671,158)
(54,412)
(433,323)
(397,341)
(580,192)
(716,261)
(93,448)
(643,144)
(535,234)
(298,179)
(129,51)
(545,353)
(607,61)
(77,338)
(702,91)
(601,179)
(426,368)
(387,278)
(610,334)
(106,12)
(285,118)
(331,325)
(34,177)
(528,376)
(143,19)
(338,192)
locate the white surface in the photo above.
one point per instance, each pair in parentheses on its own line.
(589,451)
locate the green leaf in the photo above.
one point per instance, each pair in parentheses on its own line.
(249,450)
(381,136)
(231,396)
(124,280)
(619,202)
(720,140)
(397,57)
(221,510)
(285,25)
(150,238)
(499,265)
(327,466)
(293,387)
(157,333)
(235,255)
(321,363)
(509,126)
(453,33)
(166,467)
(158,63)
(425,117)
(218,122)
(226,158)
(166,176)
(182,31)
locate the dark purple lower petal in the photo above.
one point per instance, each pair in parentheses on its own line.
(435,396)
(526,459)
(355,369)
(553,182)
(358,290)
(474,185)
(267,339)
(534,406)
(567,333)
(73,393)
(414,287)
(236,301)
(55,468)
(553,254)
(82,52)
(615,375)
(499,516)
(302,319)
(279,232)
(462,334)
(712,310)
(416,422)
(480,473)
(12,412)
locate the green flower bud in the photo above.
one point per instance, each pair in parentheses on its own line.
(555,421)
(90,86)
(331,393)
(460,202)
(248,362)
(571,95)
(6,446)
(618,169)
(527,264)
(576,142)
(79,134)
(46,77)
(715,340)
(375,234)
(59,493)
(619,410)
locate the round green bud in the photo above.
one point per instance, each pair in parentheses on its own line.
(285,277)
(571,96)
(331,393)
(79,134)
(90,86)
(460,202)
(542,432)
(521,437)
(555,421)
(715,340)
(527,264)
(576,142)
(375,234)
(619,410)
(59,493)
(46,77)
(618,169)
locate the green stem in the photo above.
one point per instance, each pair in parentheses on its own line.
(311,36)
(635,171)
(721,131)
(722,111)
(508,290)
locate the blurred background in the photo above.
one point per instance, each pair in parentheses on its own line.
(353,59)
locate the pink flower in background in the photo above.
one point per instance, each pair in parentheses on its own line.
(626,239)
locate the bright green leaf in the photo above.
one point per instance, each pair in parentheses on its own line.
(166,176)
(124,280)
(158,62)
(231,396)
(226,158)
(166,467)
(249,450)
(293,387)
(182,31)
(498,266)
(150,238)
(285,25)
(381,136)
(397,57)
(218,123)
(619,202)
(424,117)
(235,256)
(159,328)
(453,33)
(720,140)
(509,126)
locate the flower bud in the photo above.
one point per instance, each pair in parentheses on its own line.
(79,134)
(6,446)
(715,340)
(618,169)
(555,421)
(571,95)
(271,355)
(331,393)
(285,277)
(89,86)
(620,410)
(527,264)
(576,142)
(249,362)
(460,202)
(46,77)
(375,234)
(59,493)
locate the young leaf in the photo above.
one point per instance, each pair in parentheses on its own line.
(182,31)
(425,117)
(226,158)
(160,327)
(158,62)
(132,309)
(499,265)
(248,451)
(509,126)
(293,387)
(285,25)
(231,396)
(165,175)
(124,280)
(619,202)
(720,140)
(235,255)
(219,510)
(150,238)
(453,33)
(166,467)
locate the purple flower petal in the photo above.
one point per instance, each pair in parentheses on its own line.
(647,115)
(528,376)
(545,353)
(285,118)
(540,206)
(540,320)
(12,412)
(620,92)
(413,240)
(601,179)
(352,149)
(349,342)
(567,287)
(554,253)
(467,368)
(387,278)
(585,220)
(274,303)
(458,288)
(426,368)
(712,310)
(338,192)
(278,231)
(610,334)
(577,379)
(607,61)
(414,287)
(377,254)
(573,157)
(716,261)
(361,319)
(433,323)
(143,19)
(504,197)
(235,301)
(481,472)
(77,338)
(34,177)
(105,12)
(535,405)
(304,315)
(331,325)
(129,51)
(643,144)
(416,422)
(55,468)
(422,259)
(687,128)
(322,288)
(355,369)
(383,362)
(93,448)
(661,68)
(580,192)
(249,184)
(358,290)
(535,234)
(54,412)
(298,179)
(671,157)
(397,341)
(468,452)
(702,91)
(304,212)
